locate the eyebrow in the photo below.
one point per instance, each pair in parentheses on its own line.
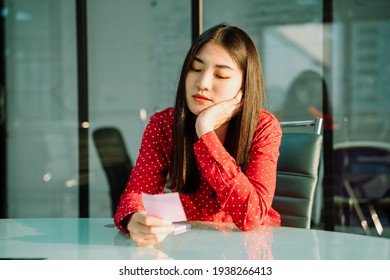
(222,66)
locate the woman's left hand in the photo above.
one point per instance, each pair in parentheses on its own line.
(216,115)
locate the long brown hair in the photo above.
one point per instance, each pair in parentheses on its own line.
(183,174)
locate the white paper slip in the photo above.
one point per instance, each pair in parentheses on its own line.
(180,228)
(165,206)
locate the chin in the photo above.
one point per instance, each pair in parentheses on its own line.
(196,111)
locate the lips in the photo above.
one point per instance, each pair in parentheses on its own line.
(200,98)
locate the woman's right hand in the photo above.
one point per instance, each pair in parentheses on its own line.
(218,114)
(148,230)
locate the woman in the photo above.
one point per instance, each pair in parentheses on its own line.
(217,147)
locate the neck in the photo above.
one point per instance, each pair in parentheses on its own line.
(221,132)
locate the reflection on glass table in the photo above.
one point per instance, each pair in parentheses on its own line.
(97,238)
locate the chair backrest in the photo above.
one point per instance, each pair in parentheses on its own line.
(297,174)
(115,160)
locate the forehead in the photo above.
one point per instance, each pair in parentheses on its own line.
(212,53)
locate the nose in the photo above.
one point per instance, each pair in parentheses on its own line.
(203,82)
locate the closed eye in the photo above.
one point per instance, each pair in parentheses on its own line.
(192,68)
(221,77)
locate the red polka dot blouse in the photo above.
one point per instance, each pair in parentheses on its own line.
(242,198)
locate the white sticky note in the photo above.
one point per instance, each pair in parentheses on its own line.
(180,228)
(165,206)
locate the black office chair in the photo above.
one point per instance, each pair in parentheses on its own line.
(115,160)
(297,173)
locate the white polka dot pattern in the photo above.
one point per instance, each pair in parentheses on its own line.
(244,199)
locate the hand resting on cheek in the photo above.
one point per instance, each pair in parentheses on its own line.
(215,116)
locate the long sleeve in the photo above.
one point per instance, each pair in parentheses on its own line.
(151,168)
(247,198)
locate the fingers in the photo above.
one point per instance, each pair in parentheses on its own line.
(147,230)
(218,114)
(238,96)
(237,103)
(154,221)
(231,105)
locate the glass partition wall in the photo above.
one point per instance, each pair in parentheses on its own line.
(320,58)
(129,44)
(41,100)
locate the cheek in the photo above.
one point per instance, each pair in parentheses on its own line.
(187,87)
(188,83)
(228,91)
